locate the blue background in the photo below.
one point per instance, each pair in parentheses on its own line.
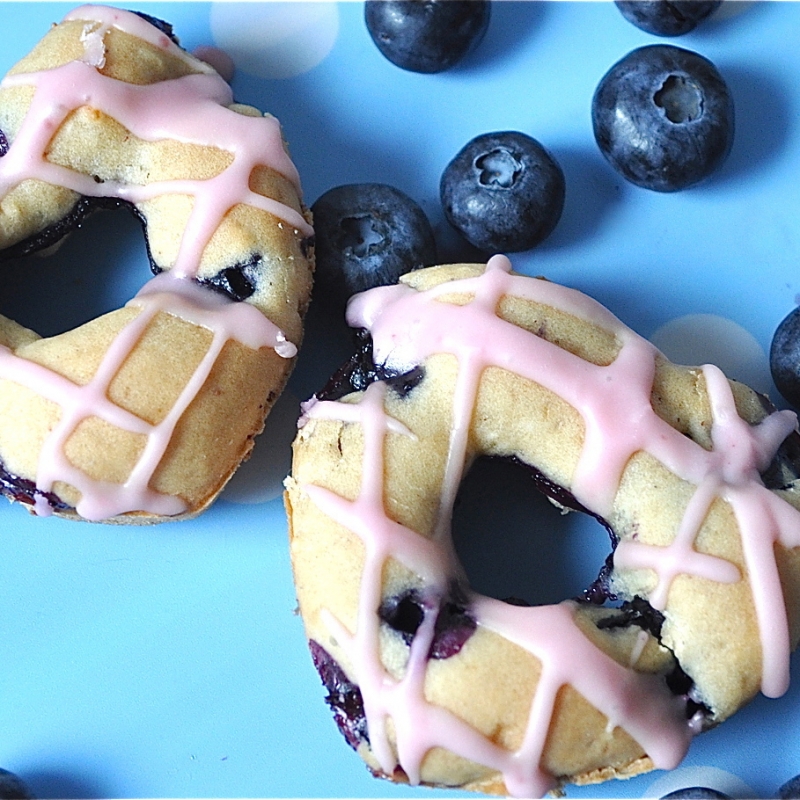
(169,661)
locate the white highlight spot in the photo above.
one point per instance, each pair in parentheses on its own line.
(260,478)
(697,339)
(278,39)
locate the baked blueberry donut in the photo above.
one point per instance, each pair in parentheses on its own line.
(143,414)
(692,474)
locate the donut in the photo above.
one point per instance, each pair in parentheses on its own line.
(143,414)
(693,475)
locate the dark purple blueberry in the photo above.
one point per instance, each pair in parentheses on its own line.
(696,793)
(367,234)
(663,117)
(12,787)
(784,357)
(239,281)
(23,490)
(666,17)
(360,370)
(453,627)
(344,697)
(790,790)
(3,144)
(426,35)
(504,192)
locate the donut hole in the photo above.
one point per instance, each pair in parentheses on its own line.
(98,265)
(514,544)
(90,272)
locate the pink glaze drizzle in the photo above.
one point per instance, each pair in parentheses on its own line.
(191,109)
(407,326)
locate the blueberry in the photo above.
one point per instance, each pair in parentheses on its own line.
(344,697)
(666,17)
(426,35)
(13,787)
(696,793)
(790,789)
(367,235)
(453,627)
(663,117)
(784,357)
(504,192)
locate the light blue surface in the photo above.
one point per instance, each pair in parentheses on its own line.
(168,661)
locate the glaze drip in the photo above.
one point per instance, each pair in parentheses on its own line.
(408,326)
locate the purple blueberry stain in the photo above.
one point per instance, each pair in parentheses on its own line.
(361,370)
(23,490)
(344,697)
(453,627)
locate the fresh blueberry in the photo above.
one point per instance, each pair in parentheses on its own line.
(666,17)
(367,234)
(426,35)
(12,787)
(784,357)
(696,793)
(663,117)
(504,192)
(790,790)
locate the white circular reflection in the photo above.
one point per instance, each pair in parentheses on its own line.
(277,39)
(698,339)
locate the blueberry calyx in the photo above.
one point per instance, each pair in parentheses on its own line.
(666,17)
(663,117)
(426,36)
(681,99)
(503,192)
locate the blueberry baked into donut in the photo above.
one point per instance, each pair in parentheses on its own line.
(143,414)
(692,474)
